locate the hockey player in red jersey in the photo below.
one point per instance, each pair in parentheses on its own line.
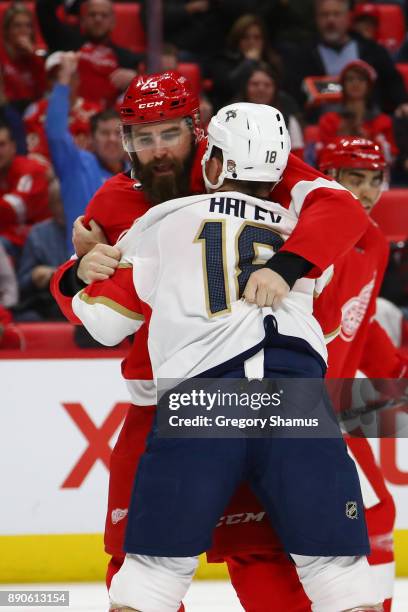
(124,198)
(346,308)
(362,344)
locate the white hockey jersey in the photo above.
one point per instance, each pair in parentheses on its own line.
(188,261)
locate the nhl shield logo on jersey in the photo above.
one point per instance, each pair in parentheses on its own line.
(351,510)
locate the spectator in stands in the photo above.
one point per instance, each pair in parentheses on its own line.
(23,194)
(400,169)
(21,67)
(169,57)
(402,55)
(198,27)
(402,3)
(44,250)
(357,115)
(105,69)
(79,117)
(336,47)
(246,45)
(365,24)
(170,61)
(261,87)
(288,21)
(80,172)
(8,281)
(10,116)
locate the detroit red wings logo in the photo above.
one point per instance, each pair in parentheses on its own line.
(118,515)
(353,312)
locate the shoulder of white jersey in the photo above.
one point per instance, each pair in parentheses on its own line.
(127,240)
(127,243)
(157,213)
(269,204)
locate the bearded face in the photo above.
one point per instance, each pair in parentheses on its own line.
(162,156)
(165,179)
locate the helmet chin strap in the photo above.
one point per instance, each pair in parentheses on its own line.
(207,182)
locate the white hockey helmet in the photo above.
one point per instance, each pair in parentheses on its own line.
(254,141)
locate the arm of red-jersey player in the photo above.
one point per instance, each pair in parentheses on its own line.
(381,358)
(64,297)
(331,220)
(111,309)
(64,283)
(326,306)
(114,207)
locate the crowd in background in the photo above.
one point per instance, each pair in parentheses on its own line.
(318,61)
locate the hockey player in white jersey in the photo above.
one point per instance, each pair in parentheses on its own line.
(186,266)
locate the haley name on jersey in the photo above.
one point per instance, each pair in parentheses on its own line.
(187,263)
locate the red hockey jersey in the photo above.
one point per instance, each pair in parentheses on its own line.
(96,64)
(346,309)
(34,119)
(23,77)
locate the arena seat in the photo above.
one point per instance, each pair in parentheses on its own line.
(192,72)
(391,214)
(129,30)
(391,23)
(403,69)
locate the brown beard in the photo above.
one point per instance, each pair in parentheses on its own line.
(159,189)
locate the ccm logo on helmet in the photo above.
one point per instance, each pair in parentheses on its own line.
(150,104)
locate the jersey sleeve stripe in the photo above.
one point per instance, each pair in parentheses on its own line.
(109,303)
(332,335)
(302,189)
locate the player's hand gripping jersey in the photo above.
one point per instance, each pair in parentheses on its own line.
(190,260)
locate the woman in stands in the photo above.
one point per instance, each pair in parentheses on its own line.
(357,115)
(261,86)
(22,68)
(247,44)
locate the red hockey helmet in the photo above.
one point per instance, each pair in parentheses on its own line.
(160,97)
(351,152)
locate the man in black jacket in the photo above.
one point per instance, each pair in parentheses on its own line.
(334,48)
